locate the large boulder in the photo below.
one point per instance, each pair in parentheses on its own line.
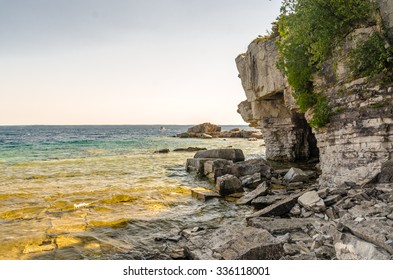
(312,201)
(252,166)
(229,154)
(204,128)
(215,168)
(295,175)
(234,242)
(228,184)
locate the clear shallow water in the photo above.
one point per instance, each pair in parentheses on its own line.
(100,192)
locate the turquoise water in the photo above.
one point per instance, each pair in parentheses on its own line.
(100,192)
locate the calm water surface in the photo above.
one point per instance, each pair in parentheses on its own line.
(100,192)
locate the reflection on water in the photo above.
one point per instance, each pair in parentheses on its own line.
(104,201)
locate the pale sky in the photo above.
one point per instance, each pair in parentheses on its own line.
(125,61)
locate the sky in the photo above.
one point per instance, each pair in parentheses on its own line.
(125,61)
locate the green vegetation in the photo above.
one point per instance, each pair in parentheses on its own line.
(372,57)
(338,110)
(310,30)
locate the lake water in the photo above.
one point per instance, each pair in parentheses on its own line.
(100,192)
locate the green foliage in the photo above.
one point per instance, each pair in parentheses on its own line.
(338,110)
(372,57)
(309,32)
(321,113)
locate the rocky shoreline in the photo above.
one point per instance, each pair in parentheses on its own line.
(294,218)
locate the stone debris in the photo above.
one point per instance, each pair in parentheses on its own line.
(234,243)
(262,189)
(203,194)
(297,219)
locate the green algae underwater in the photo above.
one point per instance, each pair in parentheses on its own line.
(100,192)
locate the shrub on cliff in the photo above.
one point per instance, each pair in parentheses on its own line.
(309,31)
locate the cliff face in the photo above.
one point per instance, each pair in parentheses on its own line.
(269,105)
(359,137)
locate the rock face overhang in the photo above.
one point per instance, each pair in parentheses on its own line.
(271,107)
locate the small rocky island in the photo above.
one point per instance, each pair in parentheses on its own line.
(208,131)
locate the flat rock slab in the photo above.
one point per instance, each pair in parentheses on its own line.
(279,208)
(282,226)
(235,242)
(264,201)
(229,154)
(248,197)
(203,194)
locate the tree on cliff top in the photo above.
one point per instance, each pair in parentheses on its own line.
(309,32)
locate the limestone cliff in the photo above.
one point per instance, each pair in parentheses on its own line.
(269,105)
(359,137)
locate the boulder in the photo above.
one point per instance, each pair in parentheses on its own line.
(311,201)
(234,242)
(228,184)
(204,128)
(251,181)
(252,166)
(229,154)
(196,165)
(162,151)
(279,208)
(295,175)
(248,197)
(216,167)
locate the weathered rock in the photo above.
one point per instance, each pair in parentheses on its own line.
(332,199)
(162,151)
(295,185)
(251,181)
(279,208)
(203,194)
(371,231)
(204,128)
(234,243)
(386,175)
(250,167)
(311,201)
(228,184)
(216,168)
(196,165)
(349,247)
(264,201)
(229,154)
(205,136)
(295,175)
(281,226)
(260,190)
(189,149)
